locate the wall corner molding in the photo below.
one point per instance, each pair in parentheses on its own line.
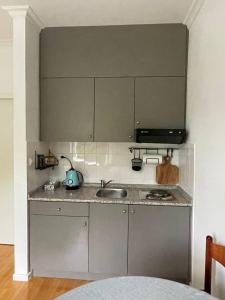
(22,277)
(24,11)
(193,12)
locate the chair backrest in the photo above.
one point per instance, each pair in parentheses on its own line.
(213,251)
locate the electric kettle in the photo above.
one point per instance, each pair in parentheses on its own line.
(74,179)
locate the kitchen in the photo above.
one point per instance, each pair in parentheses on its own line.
(106,172)
(96,113)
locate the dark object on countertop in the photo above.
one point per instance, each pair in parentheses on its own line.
(213,251)
(161,136)
(74,179)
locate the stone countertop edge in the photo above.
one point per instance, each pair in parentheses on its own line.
(87,194)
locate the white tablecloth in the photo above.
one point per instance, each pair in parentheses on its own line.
(135,288)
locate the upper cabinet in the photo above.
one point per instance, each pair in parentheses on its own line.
(100,83)
(114,110)
(67,109)
(111,51)
(160,102)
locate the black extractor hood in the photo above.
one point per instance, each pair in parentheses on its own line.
(160,136)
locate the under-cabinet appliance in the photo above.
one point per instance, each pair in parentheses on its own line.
(161,136)
(74,179)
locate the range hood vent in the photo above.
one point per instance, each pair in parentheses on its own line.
(160,136)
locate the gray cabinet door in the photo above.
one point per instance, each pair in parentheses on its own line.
(111,51)
(58,244)
(67,109)
(114,109)
(159,242)
(108,239)
(160,102)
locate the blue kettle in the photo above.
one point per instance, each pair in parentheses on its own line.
(74,179)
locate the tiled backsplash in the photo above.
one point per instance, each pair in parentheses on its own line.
(186,161)
(103,161)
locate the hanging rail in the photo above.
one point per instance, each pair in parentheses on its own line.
(152,149)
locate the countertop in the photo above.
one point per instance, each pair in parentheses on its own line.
(87,194)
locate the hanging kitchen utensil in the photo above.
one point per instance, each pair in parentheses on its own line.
(136,162)
(166,173)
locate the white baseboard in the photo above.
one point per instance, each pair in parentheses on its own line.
(22,277)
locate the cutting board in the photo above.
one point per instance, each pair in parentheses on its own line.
(166,173)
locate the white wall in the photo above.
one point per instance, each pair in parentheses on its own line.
(6,69)
(206,125)
(6,172)
(6,144)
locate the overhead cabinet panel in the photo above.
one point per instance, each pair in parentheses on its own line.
(67,109)
(160,102)
(114,109)
(134,50)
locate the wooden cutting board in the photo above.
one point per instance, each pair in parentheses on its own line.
(166,173)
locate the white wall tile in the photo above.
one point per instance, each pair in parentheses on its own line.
(61,147)
(102,148)
(90,148)
(186,161)
(90,168)
(78,148)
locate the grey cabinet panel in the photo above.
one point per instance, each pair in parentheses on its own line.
(59,208)
(108,239)
(160,102)
(159,242)
(58,243)
(114,109)
(67,109)
(134,50)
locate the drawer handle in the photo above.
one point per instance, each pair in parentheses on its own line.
(124,211)
(132,211)
(59,209)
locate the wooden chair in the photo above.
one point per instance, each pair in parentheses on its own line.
(213,251)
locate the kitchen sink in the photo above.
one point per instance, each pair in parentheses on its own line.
(111,193)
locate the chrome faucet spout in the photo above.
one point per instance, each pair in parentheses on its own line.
(105,183)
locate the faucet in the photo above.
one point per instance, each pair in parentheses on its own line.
(104,183)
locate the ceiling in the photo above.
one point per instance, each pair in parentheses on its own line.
(99,12)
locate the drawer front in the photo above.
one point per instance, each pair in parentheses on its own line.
(59,209)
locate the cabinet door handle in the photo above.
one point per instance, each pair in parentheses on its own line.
(132,211)
(124,211)
(90,136)
(130,136)
(59,209)
(85,224)
(138,122)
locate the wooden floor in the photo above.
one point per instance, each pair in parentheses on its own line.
(36,289)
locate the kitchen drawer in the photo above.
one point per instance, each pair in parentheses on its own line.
(59,209)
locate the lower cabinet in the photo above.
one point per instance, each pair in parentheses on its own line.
(58,244)
(159,242)
(91,241)
(108,239)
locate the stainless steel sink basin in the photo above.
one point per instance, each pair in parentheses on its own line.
(111,193)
